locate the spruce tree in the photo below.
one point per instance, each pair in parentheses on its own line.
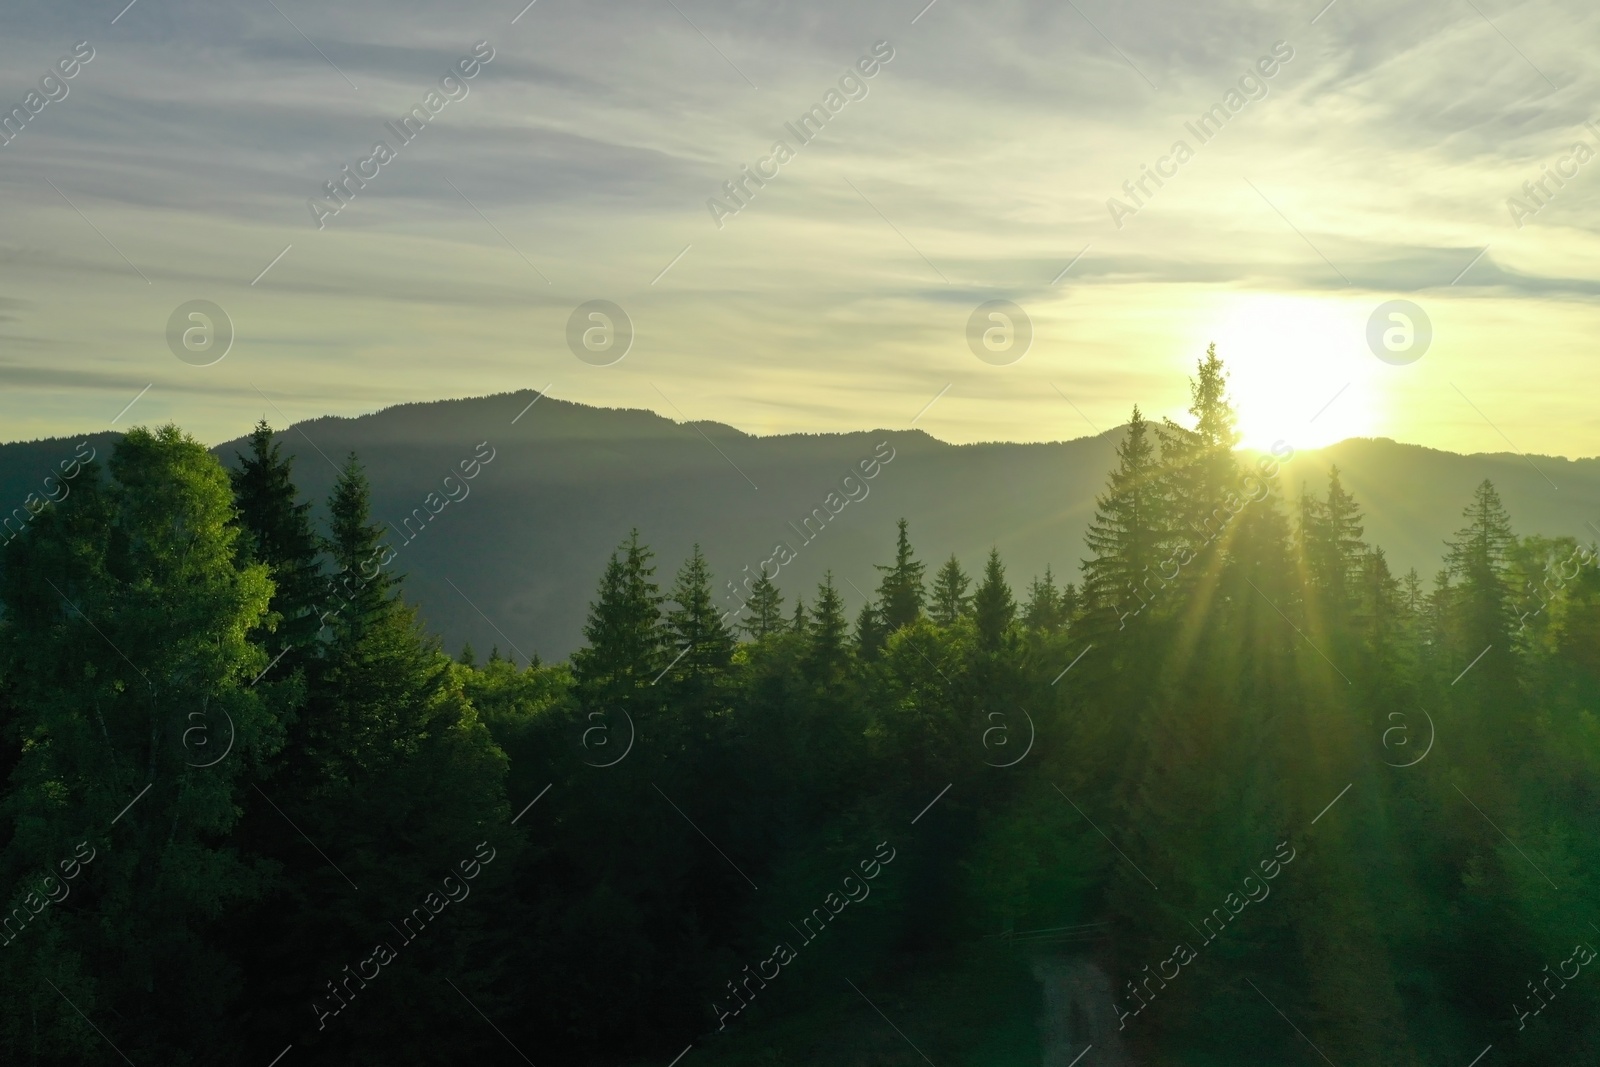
(1381,611)
(766,609)
(827,655)
(950,597)
(1071,604)
(1043,613)
(1412,594)
(698,639)
(1200,476)
(625,642)
(900,593)
(389,770)
(1127,532)
(361,586)
(1330,537)
(993,606)
(1478,559)
(870,634)
(1480,612)
(278,532)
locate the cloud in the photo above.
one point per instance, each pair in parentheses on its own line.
(977,167)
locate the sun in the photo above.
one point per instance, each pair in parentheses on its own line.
(1298,370)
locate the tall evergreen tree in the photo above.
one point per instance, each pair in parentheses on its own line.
(1200,475)
(277,526)
(900,593)
(1071,603)
(1479,610)
(389,770)
(1381,610)
(1330,537)
(698,639)
(1478,560)
(870,633)
(361,587)
(625,650)
(827,655)
(950,597)
(766,609)
(1127,532)
(1412,594)
(993,606)
(1043,613)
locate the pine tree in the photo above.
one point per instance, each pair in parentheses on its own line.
(278,533)
(900,593)
(698,638)
(360,588)
(766,609)
(1478,560)
(1071,604)
(624,651)
(798,624)
(950,597)
(826,657)
(1126,534)
(1412,595)
(1043,613)
(1200,476)
(1381,610)
(870,634)
(388,769)
(1330,537)
(469,658)
(993,607)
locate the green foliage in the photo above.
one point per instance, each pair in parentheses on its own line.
(1129,527)
(900,592)
(278,532)
(1240,688)
(128,619)
(1048,609)
(951,600)
(626,643)
(993,607)
(766,608)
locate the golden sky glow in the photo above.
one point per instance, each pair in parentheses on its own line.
(981,161)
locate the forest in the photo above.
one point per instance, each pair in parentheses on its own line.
(1282,804)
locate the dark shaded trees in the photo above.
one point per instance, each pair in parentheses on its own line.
(950,597)
(900,591)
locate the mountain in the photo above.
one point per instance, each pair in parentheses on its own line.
(511,556)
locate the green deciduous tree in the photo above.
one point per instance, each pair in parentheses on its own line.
(126,642)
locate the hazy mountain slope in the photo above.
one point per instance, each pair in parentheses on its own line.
(525,546)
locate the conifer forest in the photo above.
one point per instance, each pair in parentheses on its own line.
(1230,791)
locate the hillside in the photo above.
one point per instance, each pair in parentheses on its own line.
(525,542)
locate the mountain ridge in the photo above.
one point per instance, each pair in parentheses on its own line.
(515,560)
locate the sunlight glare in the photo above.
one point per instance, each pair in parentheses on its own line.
(1287,358)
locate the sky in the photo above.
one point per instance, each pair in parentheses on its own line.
(1383,159)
